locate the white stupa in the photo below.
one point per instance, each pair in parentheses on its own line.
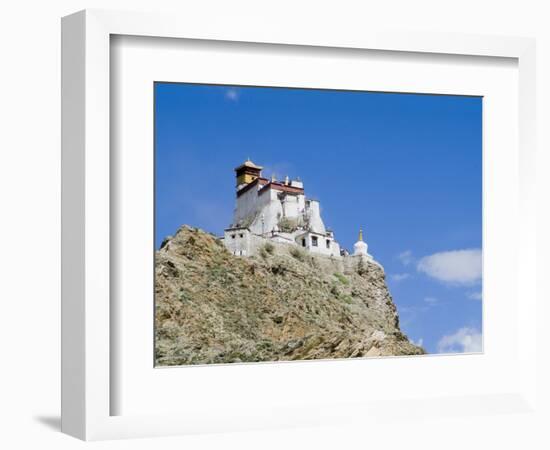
(360,252)
(360,247)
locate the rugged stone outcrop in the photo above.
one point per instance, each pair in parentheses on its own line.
(283,304)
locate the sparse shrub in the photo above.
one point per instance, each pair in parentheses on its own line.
(346,298)
(220,274)
(267,249)
(184,296)
(287,225)
(313,262)
(264,345)
(355,292)
(297,254)
(170,269)
(278,269)
(335,290)
(341,278)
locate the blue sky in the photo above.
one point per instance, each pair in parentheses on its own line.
(404,167)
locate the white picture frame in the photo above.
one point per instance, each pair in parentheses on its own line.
(87,386)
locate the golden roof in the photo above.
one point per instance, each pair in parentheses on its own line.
(249,164)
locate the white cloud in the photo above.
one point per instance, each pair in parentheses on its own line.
(399,276)
(419,343)
(232,94)
(475,295)
(431,300)
(453,267)
(465,340)
(405,257)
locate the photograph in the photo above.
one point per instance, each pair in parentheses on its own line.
(297,224)
(266,225)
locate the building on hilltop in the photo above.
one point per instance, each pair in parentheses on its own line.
(279,211)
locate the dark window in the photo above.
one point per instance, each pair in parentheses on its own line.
(328,243)
(232,236)
(314,241)
(241,235)
(303,242)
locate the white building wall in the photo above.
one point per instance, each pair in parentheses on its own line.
(283,238)
(351,262)
(315,222)
(301,203)
(237,241)
(261,215)
(269,210)
(242,242)
(336,249)
(247,204)
(251,208)
(291,207)
(321,248)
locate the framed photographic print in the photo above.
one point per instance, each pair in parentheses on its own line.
(267,228)
(263,266)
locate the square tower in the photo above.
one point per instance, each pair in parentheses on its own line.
(246,173)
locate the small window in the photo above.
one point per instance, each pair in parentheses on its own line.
(314,241)
(328,243)
(303,242)
(241,235)
(233,236)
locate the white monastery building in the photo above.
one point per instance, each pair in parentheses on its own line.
(280,212)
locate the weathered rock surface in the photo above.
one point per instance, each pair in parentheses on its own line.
(284,304)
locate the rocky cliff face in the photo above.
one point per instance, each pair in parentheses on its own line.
(284,304)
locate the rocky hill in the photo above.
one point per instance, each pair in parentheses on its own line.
(284,304)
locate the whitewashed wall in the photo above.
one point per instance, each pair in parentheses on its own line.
(315,222)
